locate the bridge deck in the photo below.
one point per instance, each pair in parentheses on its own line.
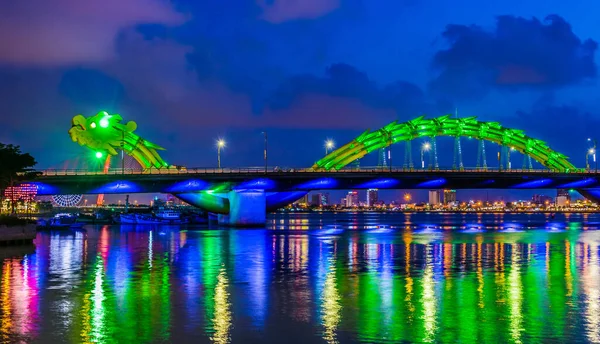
(223,180)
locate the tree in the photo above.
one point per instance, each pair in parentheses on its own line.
(13,165)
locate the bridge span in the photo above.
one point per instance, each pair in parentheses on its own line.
(184,180)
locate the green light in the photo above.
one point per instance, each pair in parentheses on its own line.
(99,155)
(104,122)
(93,125)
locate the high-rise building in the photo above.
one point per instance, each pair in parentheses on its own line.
(372,197)
(541,199)
(302,201)
(325,198)
(449,196)
(434,197)
(352,199)
(563,197)
(316,200)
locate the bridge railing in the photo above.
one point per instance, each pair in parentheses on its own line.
(276,170)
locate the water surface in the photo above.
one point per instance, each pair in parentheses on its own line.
(321,278)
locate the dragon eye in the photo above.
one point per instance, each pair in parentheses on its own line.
(93,125)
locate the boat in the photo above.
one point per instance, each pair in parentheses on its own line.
(126,218)
(61,221)
(155,219)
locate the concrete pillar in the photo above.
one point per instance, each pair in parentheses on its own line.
(247,208)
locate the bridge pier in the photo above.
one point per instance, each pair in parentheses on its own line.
(247,208)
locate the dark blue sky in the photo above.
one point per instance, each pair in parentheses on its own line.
(191,71)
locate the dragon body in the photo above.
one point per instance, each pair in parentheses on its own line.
(106,134)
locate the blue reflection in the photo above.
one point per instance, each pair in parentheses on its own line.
(432,183)
(555,227)
(319,184)
(385,183)
(512,227)
(188,185)
(534,184)
(473,228)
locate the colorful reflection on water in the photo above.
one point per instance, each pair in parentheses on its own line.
(321,284)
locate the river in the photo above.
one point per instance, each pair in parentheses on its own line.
(323,278)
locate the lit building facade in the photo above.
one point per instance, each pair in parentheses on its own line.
(434,197)
(449,196)
(23,192)
(352,199)
(372,197)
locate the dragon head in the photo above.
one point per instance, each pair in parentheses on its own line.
(102,132)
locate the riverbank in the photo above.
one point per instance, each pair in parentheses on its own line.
(15,231)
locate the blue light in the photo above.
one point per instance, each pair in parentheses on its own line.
(386,183)
(44,189)
(579,183)
(534,184)
(262,184)
(432,183)
(188,186)
(118,187)
(318,184)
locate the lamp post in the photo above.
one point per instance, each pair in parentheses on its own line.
(220,144)
(266,147)
(329,144)
(508,156)
(424,148)
(593,152)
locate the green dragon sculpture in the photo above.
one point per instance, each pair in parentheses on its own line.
(444,126)
(105,134)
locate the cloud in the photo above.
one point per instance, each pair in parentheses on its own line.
(518,53)
(342,81)
(278,11)
(66,32)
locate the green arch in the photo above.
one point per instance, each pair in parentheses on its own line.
(445,126)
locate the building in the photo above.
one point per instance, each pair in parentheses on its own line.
(434,197)
(449,196)
(23,192)
(372,197)
(541,199)
(315,200)
(352,199)
(325,199)
(563,198)
(302,201)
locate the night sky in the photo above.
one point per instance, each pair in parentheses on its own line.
(190,72)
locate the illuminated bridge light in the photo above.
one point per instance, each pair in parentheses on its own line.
(386,183)
(262,183)
(432,183)
(118,187)
(579,183)
(319,184)
(534,184)
(188,186)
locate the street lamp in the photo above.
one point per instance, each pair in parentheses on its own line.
(593,152)
(220,144)
(509,163)
(329,144)
(424,148)
(266,146)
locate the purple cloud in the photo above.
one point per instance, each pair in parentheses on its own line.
(518,53)
(67,32)
(278,11)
